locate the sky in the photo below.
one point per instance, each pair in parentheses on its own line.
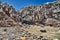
(18,4)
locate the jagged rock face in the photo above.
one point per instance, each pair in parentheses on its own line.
(40,14)
(9,10)
(5,21)
(33,14)
(10,28)
(5,15)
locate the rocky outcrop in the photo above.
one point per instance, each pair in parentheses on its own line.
(5,15)
(39,14)
(30,23)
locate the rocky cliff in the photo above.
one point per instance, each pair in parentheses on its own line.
(46,14)
(40,22)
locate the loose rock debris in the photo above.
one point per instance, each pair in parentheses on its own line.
(39,22)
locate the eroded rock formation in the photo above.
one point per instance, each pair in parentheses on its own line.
(40,14)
